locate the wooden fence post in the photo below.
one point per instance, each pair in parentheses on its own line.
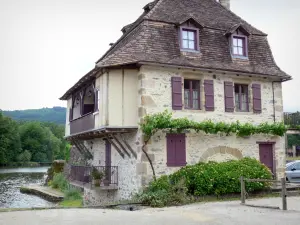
(283,194)
(243,191)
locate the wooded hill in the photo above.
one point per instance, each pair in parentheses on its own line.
(55,115)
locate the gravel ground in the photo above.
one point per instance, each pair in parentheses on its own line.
(217,213)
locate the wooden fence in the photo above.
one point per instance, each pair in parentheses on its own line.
(283,189)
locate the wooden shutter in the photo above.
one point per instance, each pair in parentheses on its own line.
(229,99)
(209,95)
(180,150)
(96,100)
(176,150)
(256,90)
(176,93)
(171,150)
(70,114)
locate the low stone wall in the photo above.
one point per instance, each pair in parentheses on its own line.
(42,193)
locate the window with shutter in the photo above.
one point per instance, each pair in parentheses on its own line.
(176,150)
(176,93)
(241,97)
(229,99)
(256,90)
(209,95)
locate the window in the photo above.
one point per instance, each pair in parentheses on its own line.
(192,94)
(189,39)
(241,97)
(239,46)
(176,151)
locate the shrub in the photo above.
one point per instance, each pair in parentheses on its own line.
(205,179)
(60,182)
(72,194)
(162,193)
(222,178)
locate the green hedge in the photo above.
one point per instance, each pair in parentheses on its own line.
(205,179)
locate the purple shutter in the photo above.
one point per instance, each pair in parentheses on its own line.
(228,93)
(96,101)
(70,114)
(256,90)
(176,93)
(176,150)
(171,148)
(209,95)
(180,150)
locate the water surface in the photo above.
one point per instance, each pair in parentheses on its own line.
(10,182)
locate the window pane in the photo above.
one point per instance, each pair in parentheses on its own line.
(184,34)
(235,42)
(244,102)
(240,51)
(244,89)
(195,104)
(195,84)
(240,42)
(235,51)
(186,84)
(237,101)
(195,94)
(185,44)
(191,35)
(186,98)
(191,45)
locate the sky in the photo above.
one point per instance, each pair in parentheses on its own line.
(48,45)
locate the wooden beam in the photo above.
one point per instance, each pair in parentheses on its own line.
(115,146)
(120,144)
(128,146)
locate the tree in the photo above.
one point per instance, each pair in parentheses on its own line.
(25,156)
(10,145)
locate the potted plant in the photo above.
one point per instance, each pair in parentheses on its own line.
(97,177)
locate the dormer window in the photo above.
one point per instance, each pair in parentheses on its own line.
(189,39)
(239,47)
(189,35)
(238,41)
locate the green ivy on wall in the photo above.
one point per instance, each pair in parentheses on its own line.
(164,121)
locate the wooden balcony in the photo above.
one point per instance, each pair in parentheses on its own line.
(84,123)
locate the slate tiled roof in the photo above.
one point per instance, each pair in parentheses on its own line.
(153,38)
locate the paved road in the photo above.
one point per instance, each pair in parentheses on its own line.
(220,213)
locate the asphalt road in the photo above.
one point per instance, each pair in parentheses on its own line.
(218,213)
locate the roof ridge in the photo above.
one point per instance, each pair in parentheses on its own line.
(242,20)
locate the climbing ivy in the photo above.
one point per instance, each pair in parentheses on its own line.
(164,121)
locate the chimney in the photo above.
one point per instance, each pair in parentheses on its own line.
(225,3)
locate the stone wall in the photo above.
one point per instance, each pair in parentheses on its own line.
(155,96)
(129,182)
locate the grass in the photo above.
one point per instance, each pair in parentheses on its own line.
(292,158)
(71,203)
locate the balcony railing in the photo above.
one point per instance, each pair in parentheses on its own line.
(83,175)
(292,120)
(84,123)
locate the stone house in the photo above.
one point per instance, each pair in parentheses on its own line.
(194,58)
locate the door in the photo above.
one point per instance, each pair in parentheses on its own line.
(266,155)
(107,163)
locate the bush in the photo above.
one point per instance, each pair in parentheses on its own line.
(72,194)
(60,182)
(162,193)
(222,178)
(205,179)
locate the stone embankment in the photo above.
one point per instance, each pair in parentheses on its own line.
(44,192)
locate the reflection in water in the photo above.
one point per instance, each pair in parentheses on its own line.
(10,182)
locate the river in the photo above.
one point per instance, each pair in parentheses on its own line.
(10,182)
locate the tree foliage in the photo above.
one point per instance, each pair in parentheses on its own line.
(30,141)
